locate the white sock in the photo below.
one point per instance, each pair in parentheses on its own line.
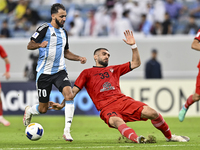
(34,110)
(69,113)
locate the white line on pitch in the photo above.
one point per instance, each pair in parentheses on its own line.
(101,147)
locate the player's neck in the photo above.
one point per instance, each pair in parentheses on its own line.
(54,24)
(99,65)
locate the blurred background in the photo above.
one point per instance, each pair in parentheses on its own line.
(103,17)
(166,27)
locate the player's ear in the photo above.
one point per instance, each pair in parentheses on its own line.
(95,57)
(53,16)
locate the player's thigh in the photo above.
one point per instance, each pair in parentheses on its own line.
(131,110)
(63,84)
(44,86)
(197,91)
(61,80)
(109,116)
(149,113)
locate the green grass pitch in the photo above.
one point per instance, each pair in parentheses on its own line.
(90,132)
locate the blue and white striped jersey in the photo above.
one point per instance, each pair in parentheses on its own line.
(51,58)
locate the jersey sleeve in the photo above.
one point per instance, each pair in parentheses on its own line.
(67,44)
(123,68)
(81,80)
(197,37)
(3,53)
(40,33)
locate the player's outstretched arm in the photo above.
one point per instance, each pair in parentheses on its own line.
(57,106)
(195,45)
(69,55)
(130,40)
(32,45)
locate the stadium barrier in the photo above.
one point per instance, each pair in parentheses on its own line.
(165,96)
(177,58)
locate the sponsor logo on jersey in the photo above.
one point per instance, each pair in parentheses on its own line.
(107,86)
(35,35)
(53,34)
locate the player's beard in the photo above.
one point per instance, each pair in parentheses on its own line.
(59,24)
(105,64)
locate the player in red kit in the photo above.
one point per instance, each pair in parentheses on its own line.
(7,75)
(196,96)
(102,84)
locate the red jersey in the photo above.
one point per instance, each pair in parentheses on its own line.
(102,83)
(197,37)
(3,53)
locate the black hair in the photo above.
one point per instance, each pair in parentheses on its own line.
(55,7)
(72,23)
(125,13)
(98,49)
(154,50)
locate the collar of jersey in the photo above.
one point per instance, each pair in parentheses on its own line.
(98,67)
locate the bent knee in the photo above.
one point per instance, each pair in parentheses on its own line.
(154,114)
(196,97)
(115,121)
(149,113)
(69,96)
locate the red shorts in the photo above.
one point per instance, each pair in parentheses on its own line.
(126,108)
(0,84)
(198,81)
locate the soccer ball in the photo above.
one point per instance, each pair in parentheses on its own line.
(34,131)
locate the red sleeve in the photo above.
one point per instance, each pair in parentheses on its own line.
(123,69)
(198,35)
(81,80)
(3,53)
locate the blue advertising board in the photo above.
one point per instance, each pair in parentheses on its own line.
(17,95)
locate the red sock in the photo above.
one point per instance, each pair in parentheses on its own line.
(189,102)
(1,109)
(128,132)
(161,125)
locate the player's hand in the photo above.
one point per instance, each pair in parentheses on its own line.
(83,60)
(43,44)
(55,106)
(7,75)
(130,40)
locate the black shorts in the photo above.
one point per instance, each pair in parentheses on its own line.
(45,82)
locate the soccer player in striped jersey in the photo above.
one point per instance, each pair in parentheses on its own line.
(102,84)
(4,55)
(196,96)
(52,41)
